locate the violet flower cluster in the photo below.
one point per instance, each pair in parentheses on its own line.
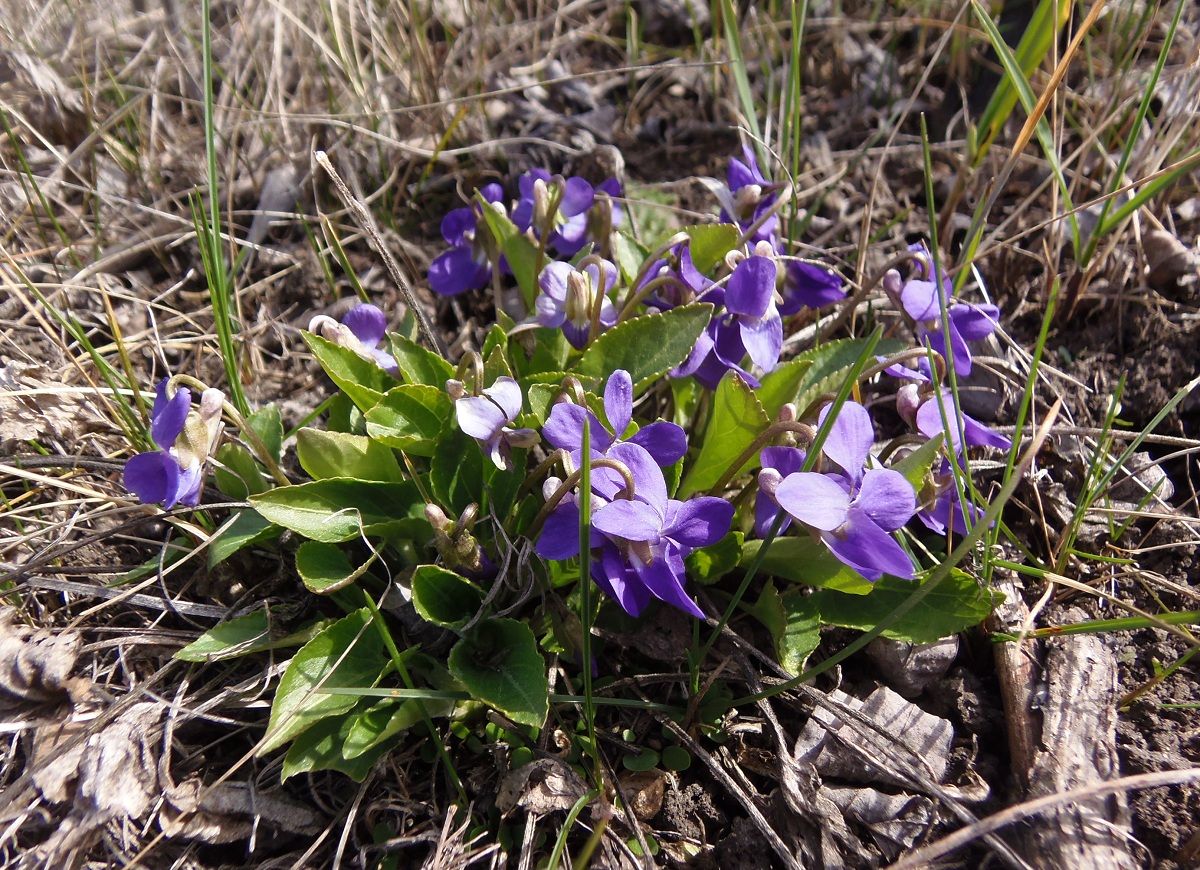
(362,330)
(562,214)
(639,535)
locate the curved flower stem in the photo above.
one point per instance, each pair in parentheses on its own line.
(655,255)
(256,443)
(642,292)
(572,481)
(898,442)
(471,363)
(764,438)
(785,194)
(542,467)
(905,356)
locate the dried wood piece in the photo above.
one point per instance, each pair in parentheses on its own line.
(1078,747)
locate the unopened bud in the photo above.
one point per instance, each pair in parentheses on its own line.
(892,283)
(908,400)
(543,214)
(579,297)
(746,200)
(768,481)
(787,413)
(437,518)
(550,486)
(212,403)
(456,389)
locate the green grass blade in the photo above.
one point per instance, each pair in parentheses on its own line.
(741,78)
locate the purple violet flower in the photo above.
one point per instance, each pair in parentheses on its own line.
(466,266)
(569,296)
(664,442)
(485,418)
(173,474)
(567,228)
(946,514)
(748,195)
(362,330)
(750,324)
(923,299)
(642,540)
(939,407)
(782,461)
(855,509)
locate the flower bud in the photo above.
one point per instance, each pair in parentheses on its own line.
(908,400)
(768,481)
(787,413)
(438,519)
(579,297)
(892,284)
(746,200)
(456,389)
(550,486)
(522,438)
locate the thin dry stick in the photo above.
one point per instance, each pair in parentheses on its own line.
(372,229)
(961,837)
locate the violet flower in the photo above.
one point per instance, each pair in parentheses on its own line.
(566,228)
(748,195)
(946,513)
(781,461)
(485,418)
(569,297)
(173,474)
(853,510)
(750,324)
(362,330)
(643,540)
(467,265)
(924,298)
(663,441)
(938,408)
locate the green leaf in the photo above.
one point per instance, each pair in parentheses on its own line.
(803,560)
(499,664)
(676,758)
(338,509)
(710,243)
(737,418)
(647,759)
(268,425)
(380,723)
(361,380)
(830,362)
(646,346)
(456,470)
(958,602)
(419,365)
(339,454)
(915,465)
(495,365)
(780,386)
(710,564)
(520,252)
(325,568)
(247,528)
(629,254)
(348,654)
(794,623)
(236,472)
(443,597)
(410,417)
(323,747)
(228,639)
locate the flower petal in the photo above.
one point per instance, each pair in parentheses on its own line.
(887,498)
(553,280)
(577,197)
(810,286)
(564,428)
(506,393)
(698,522)
(152,477)
(630,519)
(751,287)
(868,549)
(367,322)
(974,322)
(649,484)
(618,401)
(455,271)
(479,417)
(456,224)
(763,340)
(785,460)
(560,533)
(664,578)
(814,499)
(168,415)
(765,511)
(620,581)
(919,300)
(850,438)
(664,441)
